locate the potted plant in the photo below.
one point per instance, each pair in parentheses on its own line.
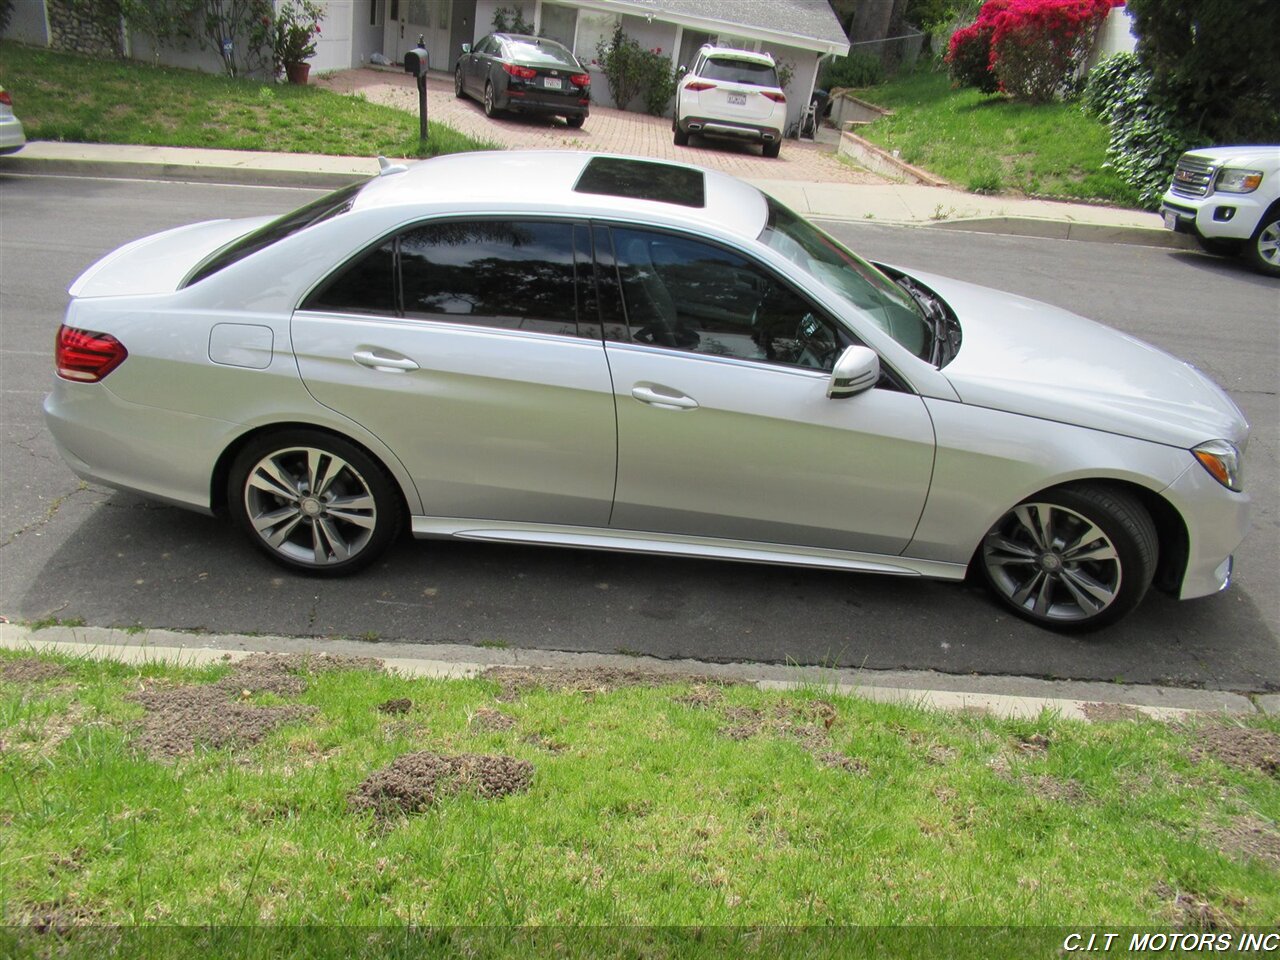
(296,29)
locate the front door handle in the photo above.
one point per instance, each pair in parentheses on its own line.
(663,397)
(375,361)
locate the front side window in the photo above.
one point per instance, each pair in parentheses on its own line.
(686,294)
(493,273)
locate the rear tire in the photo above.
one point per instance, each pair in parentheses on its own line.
(490,108)
(1263,249)
(771,150)
(575,122)
(1072,558)
(678,136)
(313,502)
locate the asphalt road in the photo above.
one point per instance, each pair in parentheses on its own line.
(71,551)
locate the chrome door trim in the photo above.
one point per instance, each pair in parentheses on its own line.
(668,544)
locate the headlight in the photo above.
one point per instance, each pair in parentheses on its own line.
(1238,181)
(1222,459)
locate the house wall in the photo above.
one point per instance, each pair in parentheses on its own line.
(1116,35)
(27,24)
(189,56)
(334,49)
(366,38)
(81,29)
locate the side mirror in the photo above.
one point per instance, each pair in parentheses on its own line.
(856,371)
(466,48)
(681,70)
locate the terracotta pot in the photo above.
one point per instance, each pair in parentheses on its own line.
(297,72)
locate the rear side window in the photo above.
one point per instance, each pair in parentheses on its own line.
(740,71)
(330,205)
(365,285)
(491,273)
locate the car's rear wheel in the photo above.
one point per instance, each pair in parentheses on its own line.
(680,137)
(771,150)
(314,502)
(490,108)
(458,90)
(574,122)
(1263,250)
(1072,558)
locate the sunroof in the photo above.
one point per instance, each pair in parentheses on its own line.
(642,180)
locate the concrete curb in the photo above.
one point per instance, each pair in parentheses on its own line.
(187,172)
(1001,696)
(1071,230)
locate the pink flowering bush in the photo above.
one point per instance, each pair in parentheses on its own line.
(1032,48)
(295,32)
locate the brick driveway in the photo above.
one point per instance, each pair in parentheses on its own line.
(606,131)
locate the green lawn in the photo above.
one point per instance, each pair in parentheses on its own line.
(991,144)
(62,96)
(610,804)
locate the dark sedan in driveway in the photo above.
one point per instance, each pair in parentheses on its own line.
(512,71)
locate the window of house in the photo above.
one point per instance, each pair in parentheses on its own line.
(594,29)
(559,23)
(687,294)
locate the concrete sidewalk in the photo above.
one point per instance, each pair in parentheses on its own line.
(1002,696)
(881,202)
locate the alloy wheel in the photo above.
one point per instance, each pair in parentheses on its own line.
(1053,563)
(1268,243)
(310,506)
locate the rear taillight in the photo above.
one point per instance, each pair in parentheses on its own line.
(520,73)
(777,96)
(86,356)
(580,80)
(5,98)
(699,85)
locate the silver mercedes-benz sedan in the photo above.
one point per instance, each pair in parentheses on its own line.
(620,354)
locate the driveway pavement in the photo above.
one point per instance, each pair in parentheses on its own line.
(606,131)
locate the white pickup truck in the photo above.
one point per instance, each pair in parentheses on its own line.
(1229,199)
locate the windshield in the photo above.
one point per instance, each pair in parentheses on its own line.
(887,305)
(330,205)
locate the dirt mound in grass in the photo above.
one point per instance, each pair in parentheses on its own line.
(493,720)
(1249,837)
(1245,748)
(180,718)
(516,680)
(416,781)
(30,670)
(396,705)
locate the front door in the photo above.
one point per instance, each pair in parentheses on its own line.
(415,19)
(725,430)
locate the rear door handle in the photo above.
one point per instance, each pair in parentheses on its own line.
(384,364)
(662,399)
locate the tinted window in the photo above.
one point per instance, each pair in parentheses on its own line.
(690,295)
(740,71)
(366,285)
(330,205)
(540,53)
(493,273)
(643,180)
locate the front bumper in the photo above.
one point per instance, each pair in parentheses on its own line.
(1219,216)
(1217,520)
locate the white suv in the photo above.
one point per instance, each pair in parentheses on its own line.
(731,93)
(1229,199)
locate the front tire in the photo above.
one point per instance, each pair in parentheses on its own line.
(1263,248)
(459,88)
(313,502)
(1072,558)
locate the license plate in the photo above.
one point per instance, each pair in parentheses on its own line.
(552,83)
(1170,220)
(737,99)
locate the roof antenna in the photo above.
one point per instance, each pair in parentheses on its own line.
(386,167)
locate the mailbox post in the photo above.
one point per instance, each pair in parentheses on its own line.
(415,62)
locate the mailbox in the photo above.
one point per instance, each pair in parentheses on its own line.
(415,60)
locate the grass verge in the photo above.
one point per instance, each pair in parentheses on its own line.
(283,792)
(62,96)
(991,144)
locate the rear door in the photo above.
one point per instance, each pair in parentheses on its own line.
(457,343)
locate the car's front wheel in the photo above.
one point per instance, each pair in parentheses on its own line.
(1072,558)
(314,502)
(1263,249)
(459,89)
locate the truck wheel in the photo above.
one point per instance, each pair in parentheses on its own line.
(1263,249)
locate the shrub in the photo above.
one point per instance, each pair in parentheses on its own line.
(1033,48)
(856,70)
(1213,64)
(630,71)
(1146,138)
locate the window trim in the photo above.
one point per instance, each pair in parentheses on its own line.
(895,381)
(581,259)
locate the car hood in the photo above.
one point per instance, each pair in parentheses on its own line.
(1267,156)
(158,263)
(1031,358)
